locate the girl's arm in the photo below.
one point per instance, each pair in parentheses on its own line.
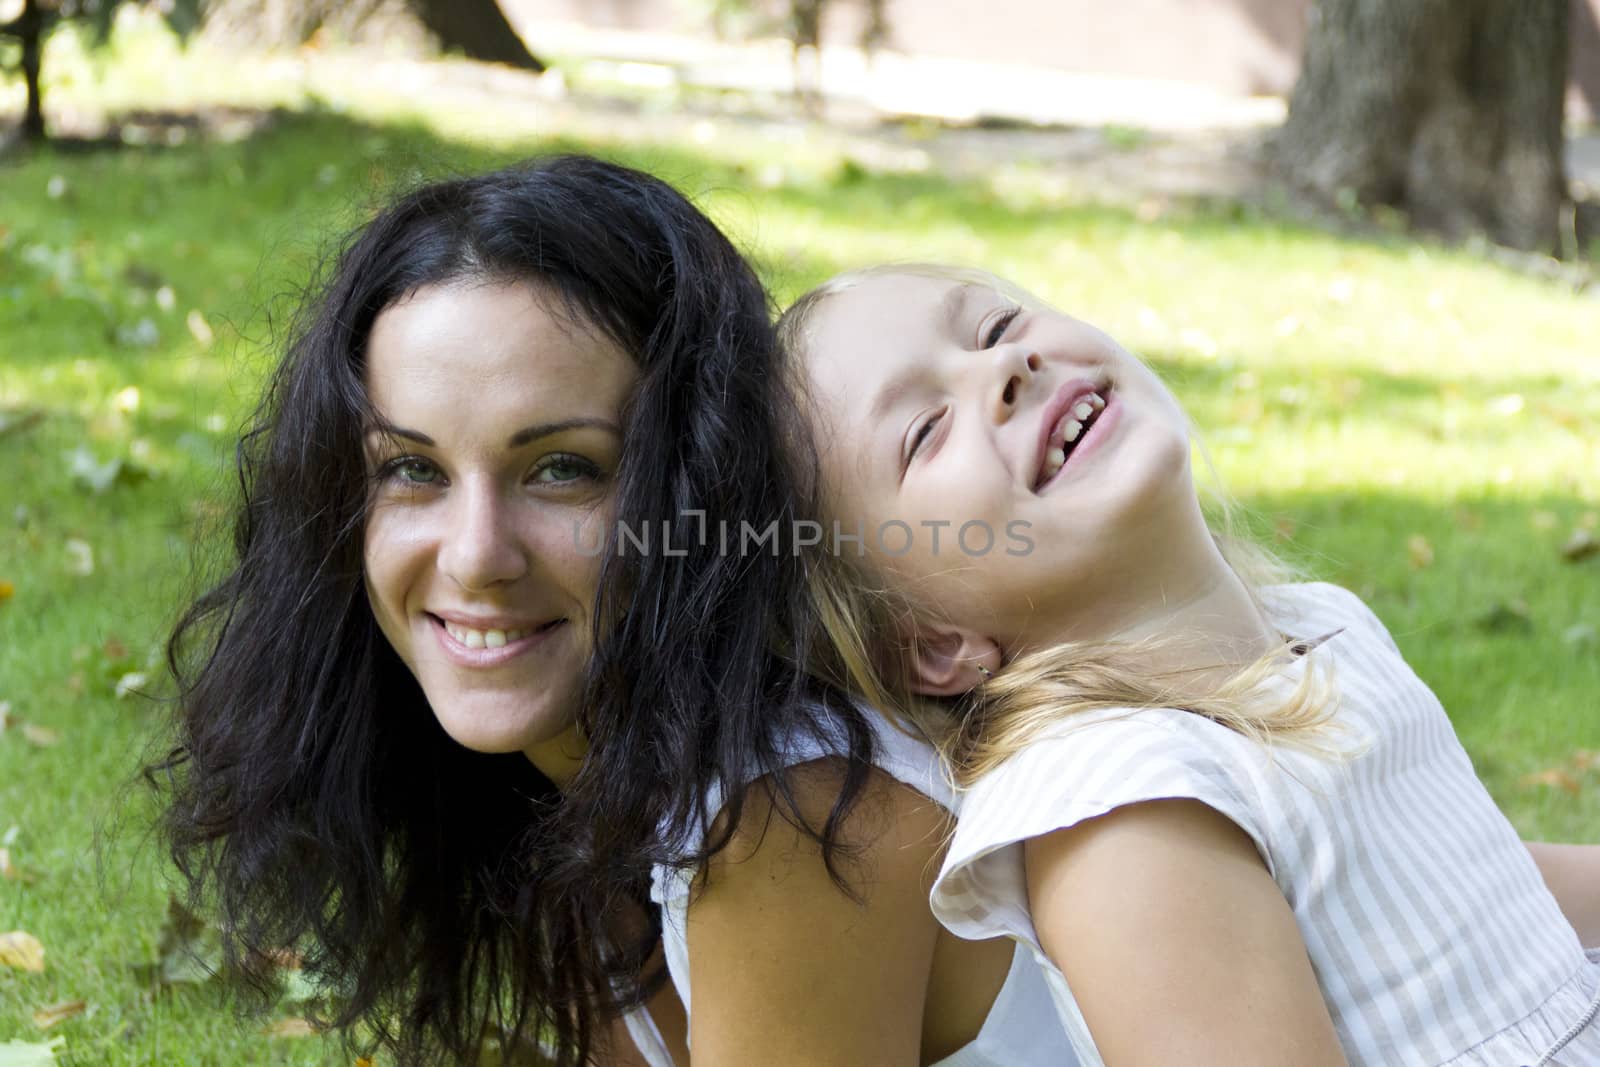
(787,969)
(1572,874)
(1176,942)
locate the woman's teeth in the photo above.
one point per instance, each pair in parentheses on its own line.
(484,638)
(1067,431)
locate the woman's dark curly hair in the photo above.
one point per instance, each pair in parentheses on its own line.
(313,798)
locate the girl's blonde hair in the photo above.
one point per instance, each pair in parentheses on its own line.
(867,639)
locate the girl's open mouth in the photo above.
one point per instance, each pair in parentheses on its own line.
(1071,430)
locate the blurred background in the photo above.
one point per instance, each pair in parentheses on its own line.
(1359,239)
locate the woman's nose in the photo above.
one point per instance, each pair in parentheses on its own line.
(1015,366)
(480,547)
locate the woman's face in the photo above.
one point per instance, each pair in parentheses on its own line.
(492,467)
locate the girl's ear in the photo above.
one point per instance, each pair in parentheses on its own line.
(947,662)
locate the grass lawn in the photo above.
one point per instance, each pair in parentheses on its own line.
(1414,423)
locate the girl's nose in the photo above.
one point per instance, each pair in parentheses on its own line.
(1015,366)
(480,548)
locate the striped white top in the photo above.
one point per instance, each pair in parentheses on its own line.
(1431,932)
(1021,1029)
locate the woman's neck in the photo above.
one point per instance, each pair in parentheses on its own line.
(558,758)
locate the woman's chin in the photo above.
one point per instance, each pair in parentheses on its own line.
(496,726)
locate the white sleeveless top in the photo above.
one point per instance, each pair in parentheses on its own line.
(1433,937)
(1021,1029)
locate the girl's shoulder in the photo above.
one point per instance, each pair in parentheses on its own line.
(1309,611)
(1087,766)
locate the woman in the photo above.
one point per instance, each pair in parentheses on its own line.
(432,736)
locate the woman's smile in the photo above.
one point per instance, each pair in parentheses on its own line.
(490,644)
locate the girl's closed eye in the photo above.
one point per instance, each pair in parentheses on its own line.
(996,330)
(920,435)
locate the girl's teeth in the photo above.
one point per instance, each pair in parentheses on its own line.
(1097,400)
(1083,409)
(1054,459)
(1072,428)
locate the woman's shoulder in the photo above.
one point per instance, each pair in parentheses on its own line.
(812,756)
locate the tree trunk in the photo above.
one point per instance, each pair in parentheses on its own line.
(28,28)
(479,28)
(805,52)
(1450,110)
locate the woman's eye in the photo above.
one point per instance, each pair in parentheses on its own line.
(410,471)
(565,469)
(997,332)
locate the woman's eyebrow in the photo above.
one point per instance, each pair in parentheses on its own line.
(389,429)
(517,440)
(547,429)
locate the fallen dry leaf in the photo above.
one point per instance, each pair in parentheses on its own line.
(1552,776)
(189,950)
(80,557)
(21,950)
(1580,546)
(6,718)
(365,1061)
(1586,759)
(199,329)
(1420,551)
(114,649)
(1504,617)
(16,1053)
(7,590)
(130,684)
(48,1016)
(8,870)
(293,1027)
(286,958)
(42,736)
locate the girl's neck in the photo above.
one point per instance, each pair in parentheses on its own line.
(1192,608)
(1218,622)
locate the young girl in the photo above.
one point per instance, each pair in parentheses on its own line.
(1232,823)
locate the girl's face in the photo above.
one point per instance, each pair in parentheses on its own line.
(491,468)
(948,409)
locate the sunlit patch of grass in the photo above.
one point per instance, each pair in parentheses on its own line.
(1409,421)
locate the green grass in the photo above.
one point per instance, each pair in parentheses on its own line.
(1408,421)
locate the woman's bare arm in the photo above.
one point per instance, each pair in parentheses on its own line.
(786,968)
(1176,942)
(616,1047)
